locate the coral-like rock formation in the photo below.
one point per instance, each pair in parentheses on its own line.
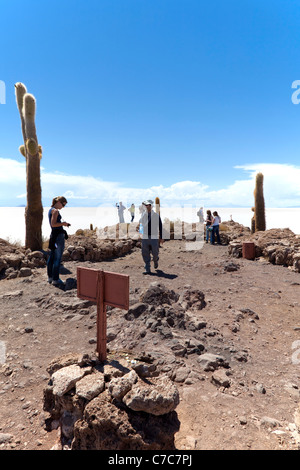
(278,246)
(109,406)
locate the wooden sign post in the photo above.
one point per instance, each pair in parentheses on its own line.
(103,288)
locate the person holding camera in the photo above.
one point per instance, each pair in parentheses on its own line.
(57,240)
(121,210)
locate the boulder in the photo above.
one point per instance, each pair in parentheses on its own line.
(90,386)
(158,294)
(210,362)
(13,260)
(25,272)
(107,426)
(158,397)
(192,299)
(119,386)
(65,379)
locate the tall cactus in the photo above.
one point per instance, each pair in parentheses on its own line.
(259,204)
(157,205)
(33,153)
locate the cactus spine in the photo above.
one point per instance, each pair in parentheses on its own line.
(259,204)
(26,104)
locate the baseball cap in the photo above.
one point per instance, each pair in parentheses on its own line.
(148,202)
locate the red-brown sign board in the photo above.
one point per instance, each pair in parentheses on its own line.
(116,290)
(115,287)
(103,288)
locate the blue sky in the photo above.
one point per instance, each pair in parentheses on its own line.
(182,99)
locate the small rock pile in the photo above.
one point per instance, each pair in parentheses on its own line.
(110,406)
(129,402)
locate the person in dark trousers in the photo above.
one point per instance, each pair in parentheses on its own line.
(208,222)
(215,228)
(152,236)
(57,241)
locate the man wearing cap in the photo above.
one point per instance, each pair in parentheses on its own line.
(152,235)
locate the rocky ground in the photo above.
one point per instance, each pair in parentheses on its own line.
(224,329)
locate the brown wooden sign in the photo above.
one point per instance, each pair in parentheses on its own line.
(103,288)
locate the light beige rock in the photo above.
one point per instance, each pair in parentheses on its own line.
(158,398)
(118,387)
(64,379)
(90,386)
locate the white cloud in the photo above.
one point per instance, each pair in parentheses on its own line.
(12,172)
(70,195)
(281,188)
(281,183)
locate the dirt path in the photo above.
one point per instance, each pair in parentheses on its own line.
(252,315)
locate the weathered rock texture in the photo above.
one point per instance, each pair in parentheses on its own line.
(110,406)
(81,247)
(278,246)
(14,259)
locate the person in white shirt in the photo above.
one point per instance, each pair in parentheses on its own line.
(215,228)
(121,210)
(152,236)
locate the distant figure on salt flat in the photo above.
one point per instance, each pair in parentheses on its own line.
(121,210)
(200,215)
(132,212)
(142,209)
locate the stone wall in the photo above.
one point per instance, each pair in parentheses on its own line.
(16,261)
(278,246)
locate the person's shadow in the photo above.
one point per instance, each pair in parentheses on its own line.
(64,270)
(160,273)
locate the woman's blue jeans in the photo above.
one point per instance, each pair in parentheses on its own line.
(215,231)
(54,260)
(207,232)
